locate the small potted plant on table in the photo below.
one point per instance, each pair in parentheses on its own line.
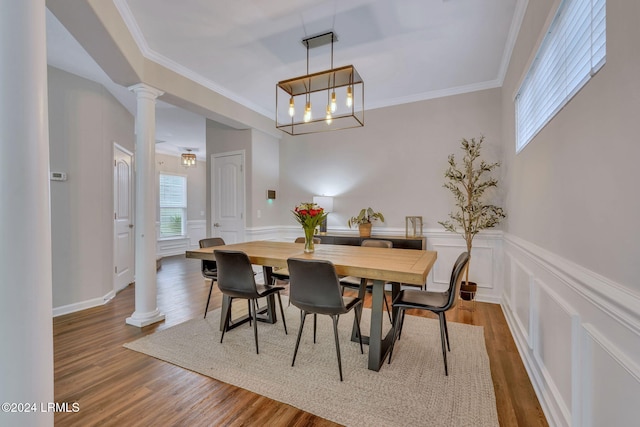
(364,221)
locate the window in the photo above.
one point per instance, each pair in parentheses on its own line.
(173,205)
(573,50)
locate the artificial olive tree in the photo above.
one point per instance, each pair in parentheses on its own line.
(469,182)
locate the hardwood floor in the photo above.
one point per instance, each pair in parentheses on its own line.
(116,386)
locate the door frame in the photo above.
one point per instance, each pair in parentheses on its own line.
(213,189)
(132,189)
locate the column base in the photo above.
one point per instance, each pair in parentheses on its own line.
(144,319)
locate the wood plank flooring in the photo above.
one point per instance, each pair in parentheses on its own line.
(119,387)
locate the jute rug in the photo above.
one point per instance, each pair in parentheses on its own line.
(411,391)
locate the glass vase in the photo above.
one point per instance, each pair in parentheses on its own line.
(308,240)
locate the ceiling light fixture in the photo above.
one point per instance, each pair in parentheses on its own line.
(188,159)
(310,90)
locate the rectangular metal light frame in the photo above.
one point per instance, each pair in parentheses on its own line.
(317,84)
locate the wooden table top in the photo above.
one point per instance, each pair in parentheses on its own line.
(393,265)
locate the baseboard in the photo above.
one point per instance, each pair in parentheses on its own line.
(83,305)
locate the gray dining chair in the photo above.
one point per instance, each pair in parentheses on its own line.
(354,283)
(282,274)
(236,280)
(315,289)
(210,268)
(436,302)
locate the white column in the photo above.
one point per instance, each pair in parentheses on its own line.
(146,311)
(26,333)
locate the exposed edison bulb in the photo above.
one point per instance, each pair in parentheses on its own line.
(328,117)
(349,97)
(307,113)
(333,102)
(292,108)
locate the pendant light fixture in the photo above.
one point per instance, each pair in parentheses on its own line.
(319,89)
(188,159)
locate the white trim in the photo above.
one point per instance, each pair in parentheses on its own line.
(592,303)
(424,96)
(559,405)
(514,30)
(616,300)
(83,305)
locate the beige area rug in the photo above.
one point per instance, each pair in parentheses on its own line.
(411,391)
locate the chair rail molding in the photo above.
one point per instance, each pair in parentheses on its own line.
(578,334)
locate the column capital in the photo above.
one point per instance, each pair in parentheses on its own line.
(144,90)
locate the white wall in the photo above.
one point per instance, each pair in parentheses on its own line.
(572,295)
(265,175)
(396,165)
(84,122)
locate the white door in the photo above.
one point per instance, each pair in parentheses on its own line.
(124,244)
(228,196)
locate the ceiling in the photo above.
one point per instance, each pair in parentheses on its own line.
(405,50)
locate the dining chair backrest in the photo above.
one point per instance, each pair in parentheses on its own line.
(374,243)
(315,286)
(457,275)
(209,267)
(211,241)
(235,275)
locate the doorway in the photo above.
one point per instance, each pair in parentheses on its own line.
(228,196)
(124,241)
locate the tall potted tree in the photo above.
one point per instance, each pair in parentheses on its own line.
(468,183)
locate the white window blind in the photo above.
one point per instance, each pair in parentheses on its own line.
(573,50)
(173,205)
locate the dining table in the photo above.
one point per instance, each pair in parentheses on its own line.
(380,265)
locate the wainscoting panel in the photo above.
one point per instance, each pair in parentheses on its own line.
(522,281)
(612,395)
(578,334)
(270,233)
(196,230)
(553,322)
(485,267)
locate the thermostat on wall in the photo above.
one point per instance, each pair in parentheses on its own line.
(58,176)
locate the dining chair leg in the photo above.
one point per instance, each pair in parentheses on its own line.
(442,340)
(315,320)
(303,315)
(446,330)
(358,327)
(335,334)
(226,320)
(386,305)
(255,327)
(396,331)
(284,321)
(401,325)
(249,311)
(208,299)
